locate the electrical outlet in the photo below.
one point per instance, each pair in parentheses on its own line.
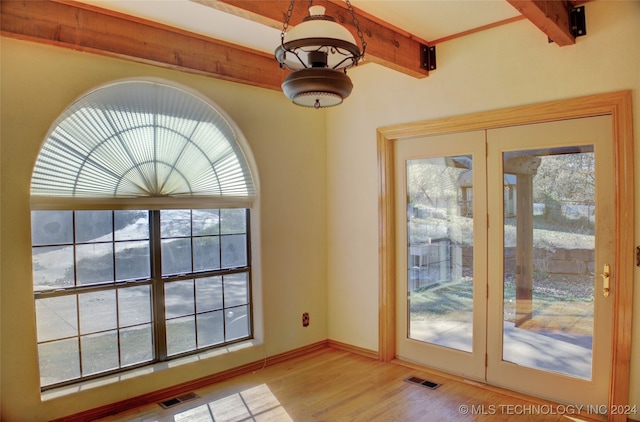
(305,319)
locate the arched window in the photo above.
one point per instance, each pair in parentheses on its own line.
(141,200)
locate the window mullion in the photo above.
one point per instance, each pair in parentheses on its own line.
(79,336)
(77,296)
(117,290)
(159,323)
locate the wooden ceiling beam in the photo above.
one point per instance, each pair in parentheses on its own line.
(92,29)
(551,17)
(387,45)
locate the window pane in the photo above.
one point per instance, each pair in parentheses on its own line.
(59,361)
(99,352)
(206,222)
(237,323)
(210,328)
(56,317)
(136,345)
(97,311)
(181,335)
(179,298)
(175,223)
(234,251)
(206,253)
(95,329)
(51,227)
(176,256)
(236,290)
(233,221)
(132,225)
(134,305)
(133,260)
(94,263)
(53,267)
(94,226)
(208,294)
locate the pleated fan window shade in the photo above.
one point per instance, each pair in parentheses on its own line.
(141,143)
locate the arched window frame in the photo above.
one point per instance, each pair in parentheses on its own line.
(115,118)
(203,199)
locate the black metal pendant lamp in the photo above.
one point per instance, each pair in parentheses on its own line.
(318,51)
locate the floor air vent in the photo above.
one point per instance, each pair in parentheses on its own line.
(177,400)
(425,383)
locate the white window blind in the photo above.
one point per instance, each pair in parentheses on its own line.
(141,142)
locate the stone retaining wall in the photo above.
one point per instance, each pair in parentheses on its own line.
(558,261)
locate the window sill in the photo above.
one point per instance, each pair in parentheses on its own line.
(107,380)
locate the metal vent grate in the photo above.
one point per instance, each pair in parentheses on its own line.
(177,400)
(423,382)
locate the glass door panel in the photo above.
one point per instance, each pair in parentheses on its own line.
(441,242)
(440,250)
(549,251)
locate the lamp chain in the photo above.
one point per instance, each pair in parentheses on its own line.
(357,25)
(285,26)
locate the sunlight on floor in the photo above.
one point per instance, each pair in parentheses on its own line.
(253,404)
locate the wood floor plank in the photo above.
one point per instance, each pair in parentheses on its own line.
(334,385)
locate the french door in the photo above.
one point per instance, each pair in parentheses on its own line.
(442,253)
(504,252)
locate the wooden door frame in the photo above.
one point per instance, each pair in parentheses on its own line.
(616,104)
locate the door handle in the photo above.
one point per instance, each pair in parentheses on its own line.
(606,286)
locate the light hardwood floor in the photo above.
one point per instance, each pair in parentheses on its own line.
(335,385)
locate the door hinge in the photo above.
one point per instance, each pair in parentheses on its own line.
(606,280)
(486,360)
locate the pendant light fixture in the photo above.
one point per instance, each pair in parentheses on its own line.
(318,51)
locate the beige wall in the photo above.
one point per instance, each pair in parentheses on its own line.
(288,144)
(503,67)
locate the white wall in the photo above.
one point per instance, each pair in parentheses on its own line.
(288,143)
(503,67)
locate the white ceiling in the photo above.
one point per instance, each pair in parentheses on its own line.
(429,20)
(435,19)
